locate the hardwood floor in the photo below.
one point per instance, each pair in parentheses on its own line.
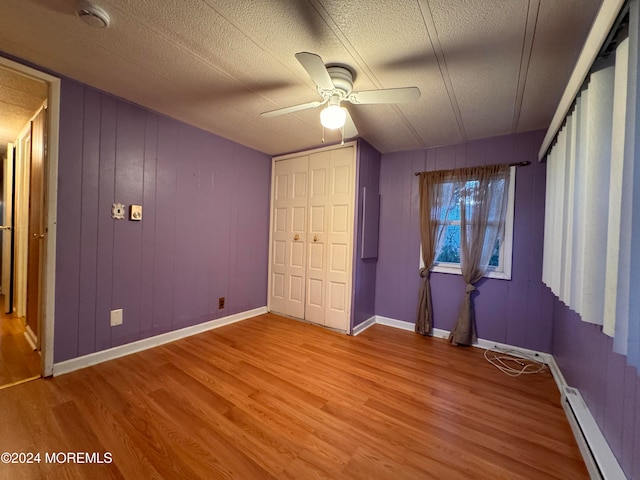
(18,361)
(270,397)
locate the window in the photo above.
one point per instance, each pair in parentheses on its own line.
(448,259)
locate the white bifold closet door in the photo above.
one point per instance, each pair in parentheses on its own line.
(312,221)
(289,225)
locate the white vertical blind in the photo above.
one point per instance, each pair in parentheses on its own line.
(580,201)
(615,190)
(597,163)
(624,293)
(547,241)
(559,171)
(592,216)
(632,153)
(567,220)
(550,257)
(561,219)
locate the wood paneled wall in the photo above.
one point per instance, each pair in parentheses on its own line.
(204,232)
(610,388)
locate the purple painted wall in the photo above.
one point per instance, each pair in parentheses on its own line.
(610,388)
(516,312)
(364,286)
(204,232)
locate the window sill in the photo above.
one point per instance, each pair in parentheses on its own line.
(455,270)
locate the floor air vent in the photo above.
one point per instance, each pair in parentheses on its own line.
(597,454)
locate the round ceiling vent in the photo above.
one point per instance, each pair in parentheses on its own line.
(93,16)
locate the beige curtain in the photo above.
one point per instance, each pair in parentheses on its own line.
(436,191)
(483,205)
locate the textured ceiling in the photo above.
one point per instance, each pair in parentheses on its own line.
(485,67)
(20,98)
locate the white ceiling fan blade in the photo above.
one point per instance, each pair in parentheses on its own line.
(350,129)
(387,95)
(291,109)
(314,66)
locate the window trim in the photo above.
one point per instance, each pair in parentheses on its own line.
(506,247)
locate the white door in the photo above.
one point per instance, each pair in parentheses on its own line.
(339,238)
(319,173)
(7,232)
(312,236)
(289,224)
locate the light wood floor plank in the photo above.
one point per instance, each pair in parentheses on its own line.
(18,361)
(273,398)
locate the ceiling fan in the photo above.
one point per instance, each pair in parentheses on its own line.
(334,83)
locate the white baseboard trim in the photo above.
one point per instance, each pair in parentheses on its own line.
(556,373)
(146,343)
(440,333)
(524,352)
(361,327)
(31,338)
(392,322)
(482,343)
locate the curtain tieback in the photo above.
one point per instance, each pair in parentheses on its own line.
(471,287)
(425,273)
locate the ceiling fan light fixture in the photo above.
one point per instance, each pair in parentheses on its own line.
(333,116)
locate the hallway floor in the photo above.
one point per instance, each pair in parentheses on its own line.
(18,361)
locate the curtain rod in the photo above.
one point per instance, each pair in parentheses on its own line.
(516,164)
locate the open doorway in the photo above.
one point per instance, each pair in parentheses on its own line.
(29,106)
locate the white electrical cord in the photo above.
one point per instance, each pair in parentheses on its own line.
(513,362)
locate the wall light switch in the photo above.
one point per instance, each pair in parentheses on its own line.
(135,212)
(116,317)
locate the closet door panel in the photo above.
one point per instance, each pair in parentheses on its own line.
(316,238)
(289,224)
(340,219)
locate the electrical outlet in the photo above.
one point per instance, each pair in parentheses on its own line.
(116,317)
(220,303)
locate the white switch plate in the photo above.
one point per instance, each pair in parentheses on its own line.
(116,317)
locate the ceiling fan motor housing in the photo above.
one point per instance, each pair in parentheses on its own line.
(342,79)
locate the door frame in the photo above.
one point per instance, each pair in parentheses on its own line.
(8,233)
(48,262)
(336,146)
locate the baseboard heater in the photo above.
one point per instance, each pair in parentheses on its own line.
(600,460)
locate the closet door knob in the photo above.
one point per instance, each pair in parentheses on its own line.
(296,237)
(315,238)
